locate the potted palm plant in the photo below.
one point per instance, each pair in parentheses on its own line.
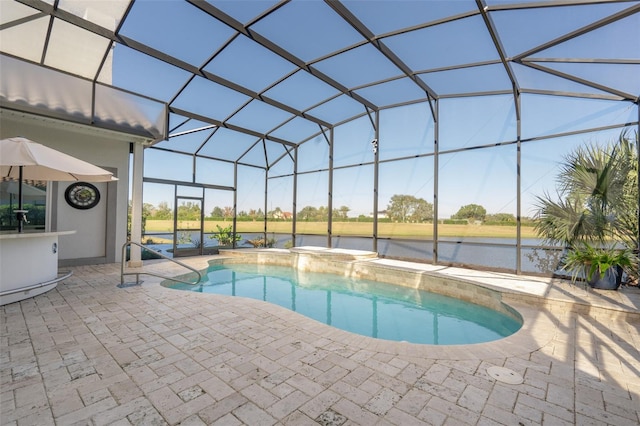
(602,267)
(596,203)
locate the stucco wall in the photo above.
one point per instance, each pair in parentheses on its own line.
(94,240)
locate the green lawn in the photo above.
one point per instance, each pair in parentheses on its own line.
(398,230)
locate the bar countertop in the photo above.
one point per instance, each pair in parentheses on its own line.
(7,235)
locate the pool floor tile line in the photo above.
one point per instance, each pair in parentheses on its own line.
(88,352)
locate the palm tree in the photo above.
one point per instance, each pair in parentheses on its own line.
(597,197)
(627,227)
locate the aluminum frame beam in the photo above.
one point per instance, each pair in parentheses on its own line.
(264,42)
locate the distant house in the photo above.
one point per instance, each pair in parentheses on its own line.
(282,215)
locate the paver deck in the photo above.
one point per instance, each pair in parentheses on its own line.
(89,353)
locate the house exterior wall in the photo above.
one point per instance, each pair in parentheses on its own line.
(102,230)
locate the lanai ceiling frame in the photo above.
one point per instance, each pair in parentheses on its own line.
(52,11)
(264,42)
(362,29)
(253,96)
(535,64)
(321,130)
(495,37)
(535,60)
(200,71)
(484,9)
(214,129)
(369,38)
(525,59)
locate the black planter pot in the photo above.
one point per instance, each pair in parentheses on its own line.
(611,280)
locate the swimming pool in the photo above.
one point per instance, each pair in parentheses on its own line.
(361,306)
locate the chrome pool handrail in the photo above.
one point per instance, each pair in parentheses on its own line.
(138,273)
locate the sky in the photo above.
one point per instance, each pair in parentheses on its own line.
(310,30)
(484,176)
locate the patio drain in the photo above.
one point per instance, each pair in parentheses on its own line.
(505,375)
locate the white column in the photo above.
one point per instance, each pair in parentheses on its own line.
(136,204)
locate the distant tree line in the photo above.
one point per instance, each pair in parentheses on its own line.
(402,208)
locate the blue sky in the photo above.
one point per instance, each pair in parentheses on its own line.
(310,30)
(484,176)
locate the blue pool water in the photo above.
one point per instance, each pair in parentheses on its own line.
(365,307)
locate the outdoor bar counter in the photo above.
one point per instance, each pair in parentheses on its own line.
(28,264)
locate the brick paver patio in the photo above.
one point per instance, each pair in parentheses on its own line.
(89,353)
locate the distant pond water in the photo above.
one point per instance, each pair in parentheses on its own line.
(493,253)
